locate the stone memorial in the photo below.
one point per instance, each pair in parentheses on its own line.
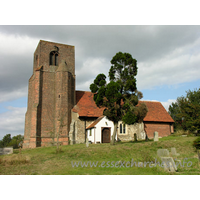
(169,164)
(163,152)
(87,142)
(173,151)
(135,137)
(155,136)
(6,150)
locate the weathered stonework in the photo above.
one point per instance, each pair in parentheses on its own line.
(78,126)
(137,128)
(51,95)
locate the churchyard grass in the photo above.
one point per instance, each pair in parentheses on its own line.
(45,160)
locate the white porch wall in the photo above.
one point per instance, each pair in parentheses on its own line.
(90,138)
(96,131)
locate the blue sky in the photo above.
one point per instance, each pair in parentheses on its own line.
(164,92)
(168,60)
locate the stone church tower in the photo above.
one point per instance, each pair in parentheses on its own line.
(51,95)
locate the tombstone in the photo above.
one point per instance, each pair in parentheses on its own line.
(87,142)
(173,151)
(155,136)
(6,150)
(169,164)
(135,137)
(163,152)
(141,132)
(146,138)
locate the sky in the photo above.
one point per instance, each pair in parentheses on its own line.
(168,61)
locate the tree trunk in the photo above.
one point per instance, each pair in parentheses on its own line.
(114,133)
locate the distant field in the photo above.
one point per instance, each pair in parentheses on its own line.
(44,160)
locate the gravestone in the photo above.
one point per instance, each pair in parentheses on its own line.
(169,164)
(6,150)
(135,137)
(155,136)
(163,152)
(87,142)
(173,151)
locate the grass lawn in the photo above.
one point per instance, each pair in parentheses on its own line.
(45,160)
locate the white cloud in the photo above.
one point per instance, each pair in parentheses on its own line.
(90,69)
(17,45)
(16,94)
(12,121)
(176,67)
(168,103)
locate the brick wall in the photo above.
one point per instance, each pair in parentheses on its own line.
(163,129)
(51,96)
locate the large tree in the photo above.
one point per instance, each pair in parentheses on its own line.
(5,141)
(174,111)
(186,110)
(119,97)
(16,141)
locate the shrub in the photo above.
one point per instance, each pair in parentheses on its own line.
(196,143)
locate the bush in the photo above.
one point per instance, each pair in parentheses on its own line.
(196,143)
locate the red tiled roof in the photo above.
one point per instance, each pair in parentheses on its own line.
(92,125)
(86,107)
(156,112)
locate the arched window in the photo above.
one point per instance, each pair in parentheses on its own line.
(122,128)
(53,58)
(56,59)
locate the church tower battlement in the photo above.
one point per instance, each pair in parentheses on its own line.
(51,95)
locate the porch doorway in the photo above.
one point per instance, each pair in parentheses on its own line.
(105,135)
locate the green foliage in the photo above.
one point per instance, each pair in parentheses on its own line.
(141,112)
(196,143)
(186,111)
(174,111)
(6,140)
(129,118)
(120,96)
(1,144)
(16,141)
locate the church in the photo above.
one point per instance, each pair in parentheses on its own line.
(56,108)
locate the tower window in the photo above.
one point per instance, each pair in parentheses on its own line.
(53,58)
(56,59)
